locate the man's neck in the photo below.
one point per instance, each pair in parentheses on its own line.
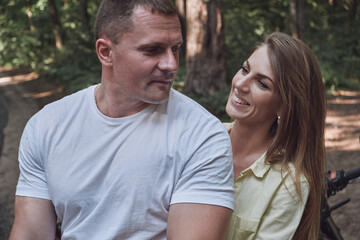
(113,105)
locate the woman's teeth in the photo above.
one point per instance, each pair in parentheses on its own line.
(239,101)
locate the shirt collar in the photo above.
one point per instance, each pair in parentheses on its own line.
(259,167)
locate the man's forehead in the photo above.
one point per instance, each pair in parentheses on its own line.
(145,16)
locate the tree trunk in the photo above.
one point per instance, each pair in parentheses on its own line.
(85,14)
(57,29)
(333,3)
(29,14)
(181,7)
(297,18)
(352,9)
(205,51)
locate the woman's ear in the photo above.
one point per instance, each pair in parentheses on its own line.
(104,51)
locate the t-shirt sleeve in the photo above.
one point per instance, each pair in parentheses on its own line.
(32,178)
(207,176)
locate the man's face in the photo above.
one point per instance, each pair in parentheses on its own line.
(145,60)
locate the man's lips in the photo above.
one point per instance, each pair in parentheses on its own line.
(164,82)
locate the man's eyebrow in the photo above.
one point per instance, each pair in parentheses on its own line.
(154,44)
(147,45)
(259,74)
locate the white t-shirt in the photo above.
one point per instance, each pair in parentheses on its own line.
(115,178)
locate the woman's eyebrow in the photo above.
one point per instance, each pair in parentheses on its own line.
(264,76)
(259,74)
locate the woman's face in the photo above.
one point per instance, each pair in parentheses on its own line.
(252,97)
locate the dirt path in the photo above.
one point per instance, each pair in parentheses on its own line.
(343,152)
(19,111)
(24,94)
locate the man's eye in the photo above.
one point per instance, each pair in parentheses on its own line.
(151,50)
(175,49)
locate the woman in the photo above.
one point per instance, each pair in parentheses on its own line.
(278,105)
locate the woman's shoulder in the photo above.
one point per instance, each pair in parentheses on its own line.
(287,176)
(289,181)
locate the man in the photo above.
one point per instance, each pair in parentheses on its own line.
(129,158)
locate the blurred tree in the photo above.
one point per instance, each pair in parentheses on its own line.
(57,28)
(30,14)
(205,47)
(27,39)
(181,7)
(333,3)
(352,9)
(297,18)
(85,14)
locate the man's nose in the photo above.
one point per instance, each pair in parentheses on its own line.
(168,61)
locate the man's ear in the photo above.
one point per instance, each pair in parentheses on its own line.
(104,51)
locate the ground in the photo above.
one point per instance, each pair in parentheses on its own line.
(23,94)
(343,152)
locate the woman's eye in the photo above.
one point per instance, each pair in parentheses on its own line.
(244,69)
(262,84)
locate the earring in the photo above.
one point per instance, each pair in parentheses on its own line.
(278,120)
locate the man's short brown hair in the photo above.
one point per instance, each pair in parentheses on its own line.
(114,17)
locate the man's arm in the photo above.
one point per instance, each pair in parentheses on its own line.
(35,218)
(193,221)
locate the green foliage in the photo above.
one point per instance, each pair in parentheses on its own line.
(334,39)
(180,78)
(75,73)
(246,24)
(75,65)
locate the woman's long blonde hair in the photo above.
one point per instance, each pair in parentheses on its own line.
(299,137)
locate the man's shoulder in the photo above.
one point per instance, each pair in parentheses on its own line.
(58,110)
(187,113)
(183,104)
(69,101)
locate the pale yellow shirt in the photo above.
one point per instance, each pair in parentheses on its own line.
(266,205)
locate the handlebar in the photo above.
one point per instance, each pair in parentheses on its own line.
(338,180)
(352,174)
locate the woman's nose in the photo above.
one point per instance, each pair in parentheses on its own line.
(241,83)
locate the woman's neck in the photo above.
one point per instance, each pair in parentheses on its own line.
(248,144)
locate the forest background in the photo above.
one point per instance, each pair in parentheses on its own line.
(54,38)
